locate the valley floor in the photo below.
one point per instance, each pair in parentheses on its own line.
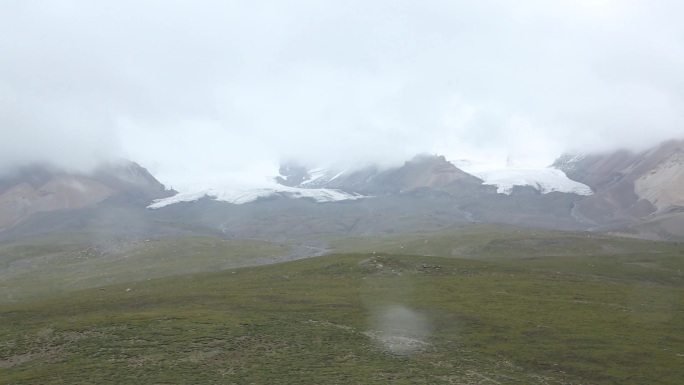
(497,308)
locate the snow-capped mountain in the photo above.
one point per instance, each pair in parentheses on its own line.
(324,185)
(433,172)
(569,162)
(635,193)
(298,176)
(423,171)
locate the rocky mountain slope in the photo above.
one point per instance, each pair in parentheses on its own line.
(41,188)
(631,188)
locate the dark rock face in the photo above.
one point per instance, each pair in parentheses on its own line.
(292,175)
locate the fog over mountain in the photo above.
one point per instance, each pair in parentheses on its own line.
(208,92)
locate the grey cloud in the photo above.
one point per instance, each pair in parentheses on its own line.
(218,85)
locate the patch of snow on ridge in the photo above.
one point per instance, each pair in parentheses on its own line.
(180,197)
(569,161)
(320,177)
(245,195)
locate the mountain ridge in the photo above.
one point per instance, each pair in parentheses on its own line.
(636,194)
(627,184)
(37,188)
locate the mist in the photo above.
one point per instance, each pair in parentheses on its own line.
(208,91)
(400,330)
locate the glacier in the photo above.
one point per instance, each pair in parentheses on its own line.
(544,180)
(245,195)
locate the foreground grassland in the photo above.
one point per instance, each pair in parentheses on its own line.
(602,318)
(37,267)
(489,241)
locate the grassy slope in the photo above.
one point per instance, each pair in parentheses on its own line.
(482,241)
(48,265)
(608,319)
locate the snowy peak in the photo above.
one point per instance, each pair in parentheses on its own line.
(569,162)
(293,175)
(294,182)
(434,172)
(423,171)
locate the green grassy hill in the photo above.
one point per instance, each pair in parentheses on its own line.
(47,265)
(525,314)
(485,241)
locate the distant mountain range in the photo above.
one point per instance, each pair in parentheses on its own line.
(634,194)
(432,172)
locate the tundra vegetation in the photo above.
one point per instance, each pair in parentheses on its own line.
(471,304)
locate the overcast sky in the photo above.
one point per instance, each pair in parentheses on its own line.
(208,91)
